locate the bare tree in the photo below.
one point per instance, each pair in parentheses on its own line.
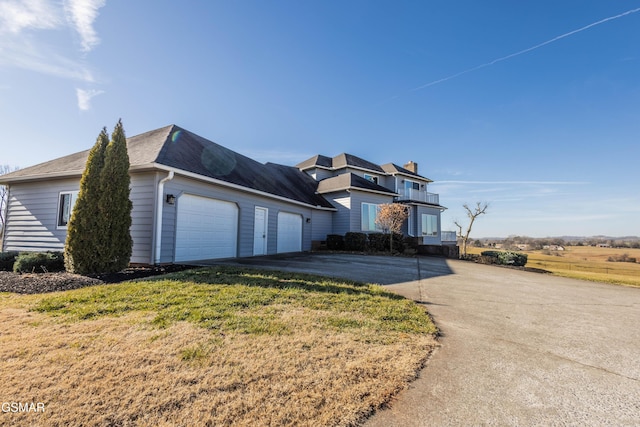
(480,209)
(390,218)
(4,193)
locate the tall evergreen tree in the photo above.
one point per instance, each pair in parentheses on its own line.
(114,203)
(82,247)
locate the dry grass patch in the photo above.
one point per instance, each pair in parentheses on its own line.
(587,263)
(162,357)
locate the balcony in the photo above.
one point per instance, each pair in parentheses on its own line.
(418,196)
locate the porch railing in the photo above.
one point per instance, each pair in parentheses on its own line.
(448,236)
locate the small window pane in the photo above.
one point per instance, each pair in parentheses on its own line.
(67,201)
(369,215)
(429,225)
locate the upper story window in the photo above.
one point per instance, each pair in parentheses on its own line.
(67,200)
(411,185)
(371,178)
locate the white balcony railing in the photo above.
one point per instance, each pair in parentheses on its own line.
(449,236)
(419,196)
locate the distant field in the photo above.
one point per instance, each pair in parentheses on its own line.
(587,263)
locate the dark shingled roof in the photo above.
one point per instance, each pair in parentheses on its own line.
(180,149)
(345,160)
(339,161)
(350,181)
(317,160)
(393,168)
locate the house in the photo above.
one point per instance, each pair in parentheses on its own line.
(194,200)
(356,187)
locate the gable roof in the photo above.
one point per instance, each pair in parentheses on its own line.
(350,181)
(179,149)
(338,162)
(345,160)
(316,161)
(392,168)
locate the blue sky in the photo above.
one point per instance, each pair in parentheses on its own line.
(533,107)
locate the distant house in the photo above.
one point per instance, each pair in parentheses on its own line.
(194,200)
(553,247)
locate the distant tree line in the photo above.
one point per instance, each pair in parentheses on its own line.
(536,243)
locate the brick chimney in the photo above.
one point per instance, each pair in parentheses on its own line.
(411,166)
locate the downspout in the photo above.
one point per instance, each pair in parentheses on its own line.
(160,204)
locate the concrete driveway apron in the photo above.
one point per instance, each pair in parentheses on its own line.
(517,348)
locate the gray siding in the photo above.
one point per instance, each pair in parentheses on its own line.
(341,218)
(143,193)
(319,174)
(321,224)
(32,216)
(359,197)
(246,203)
(349,205)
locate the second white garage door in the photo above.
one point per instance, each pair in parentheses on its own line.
(205,229)
(289,232)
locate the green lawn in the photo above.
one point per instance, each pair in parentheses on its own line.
(242,346)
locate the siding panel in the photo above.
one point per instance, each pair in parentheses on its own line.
(32,211)
(246,214)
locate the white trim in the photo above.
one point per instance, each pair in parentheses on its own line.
(157,255)
(266,229)
(364,190)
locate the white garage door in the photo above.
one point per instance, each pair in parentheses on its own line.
(289,232)
(205,229)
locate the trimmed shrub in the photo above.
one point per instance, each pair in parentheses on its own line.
(513,258)
(506,258)
(335,242)
(378,242)
(355,241)
(7,259)
(492,254)
(39,262)
(412,242)
(398,242)
(471,257)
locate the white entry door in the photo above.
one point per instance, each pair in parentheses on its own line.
(289,232)
(260,225)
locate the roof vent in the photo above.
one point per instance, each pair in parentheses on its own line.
(411,166)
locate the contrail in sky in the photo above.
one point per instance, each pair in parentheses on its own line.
(504,58)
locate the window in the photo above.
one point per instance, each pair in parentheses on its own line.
(429,225)
(65,207)
(371,178)
(369,215)
(411,185)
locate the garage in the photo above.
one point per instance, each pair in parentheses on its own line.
(289,232)
(205,229)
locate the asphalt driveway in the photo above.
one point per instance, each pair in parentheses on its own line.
(517,348)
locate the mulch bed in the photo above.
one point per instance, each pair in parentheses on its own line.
(37,283)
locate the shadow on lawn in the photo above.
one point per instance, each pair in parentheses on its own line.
(273,279)
(383,270)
